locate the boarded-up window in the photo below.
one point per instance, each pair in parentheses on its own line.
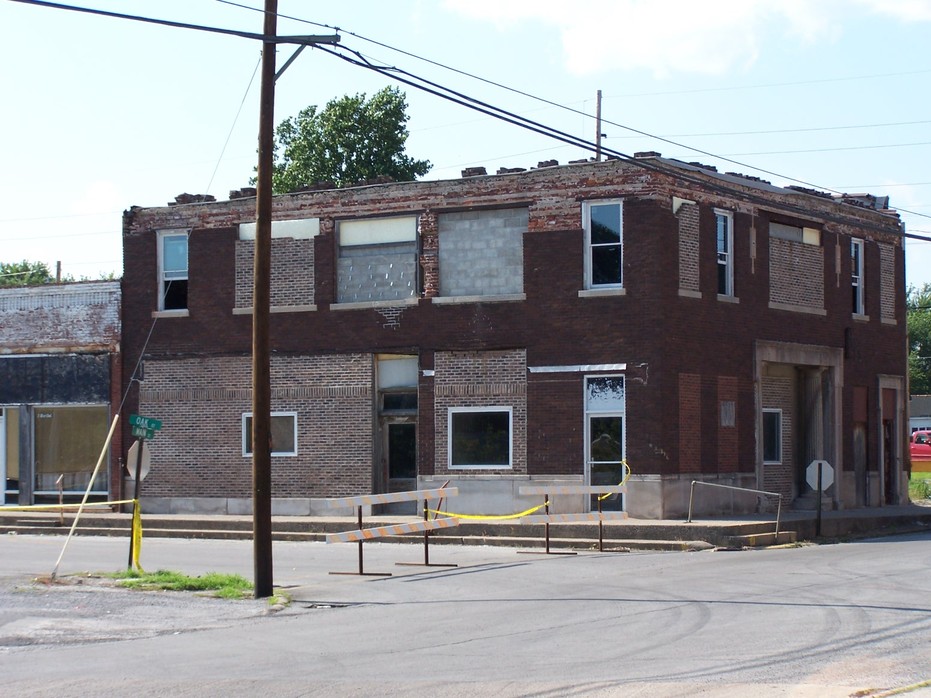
(377,260)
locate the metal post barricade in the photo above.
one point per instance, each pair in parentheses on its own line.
(360,535)
(600,516)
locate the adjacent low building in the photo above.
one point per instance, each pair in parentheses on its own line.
(59,388)
(538,326)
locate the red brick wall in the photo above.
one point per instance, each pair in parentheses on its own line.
(779,393)
(481,379)
(657,333)
(201,401)
(728,454)
(690,441)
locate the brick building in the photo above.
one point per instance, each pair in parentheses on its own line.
(60,379)
(535,325)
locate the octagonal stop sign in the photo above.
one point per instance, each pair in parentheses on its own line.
(827,474)
(144,464)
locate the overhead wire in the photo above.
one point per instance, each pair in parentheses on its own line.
(308,40)
(655,165)
(532,125)
(571,109)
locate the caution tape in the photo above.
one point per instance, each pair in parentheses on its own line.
(490,517)
(56,507)
(137,534)
(621,483)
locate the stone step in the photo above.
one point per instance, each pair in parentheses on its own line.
(759,540)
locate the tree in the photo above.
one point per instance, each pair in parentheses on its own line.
(24,274)
(918,306)
(349,141)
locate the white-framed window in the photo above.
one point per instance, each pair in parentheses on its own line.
(724,227)
(284,433)
(772,436)
(480,437)
(602,222)
(172,269)
(605,429)
(856,276)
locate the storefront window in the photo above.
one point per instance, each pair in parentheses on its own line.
(68,444)
(9,448)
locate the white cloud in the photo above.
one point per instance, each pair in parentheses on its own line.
(905,10)
(678,36)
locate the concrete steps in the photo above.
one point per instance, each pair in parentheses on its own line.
(629,534)
(623,536)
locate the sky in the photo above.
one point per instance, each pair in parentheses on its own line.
(100,114)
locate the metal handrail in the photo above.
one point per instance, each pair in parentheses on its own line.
(741,489)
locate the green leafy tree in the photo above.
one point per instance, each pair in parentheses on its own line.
(918,304)
(349,141)
(24,274)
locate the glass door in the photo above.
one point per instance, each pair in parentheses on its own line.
(605,442)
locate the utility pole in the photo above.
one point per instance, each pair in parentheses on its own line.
(261,302)
(598,127)
(261,308)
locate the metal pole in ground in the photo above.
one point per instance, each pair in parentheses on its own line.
(140,444)
(818,523)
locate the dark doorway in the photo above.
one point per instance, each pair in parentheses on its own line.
(402,455)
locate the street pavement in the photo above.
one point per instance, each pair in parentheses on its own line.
(832,620)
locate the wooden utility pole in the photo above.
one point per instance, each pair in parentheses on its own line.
(261,305)
(598,127)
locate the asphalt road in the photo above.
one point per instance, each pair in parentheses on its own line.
(833,620)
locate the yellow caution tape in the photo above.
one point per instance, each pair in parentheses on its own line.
(490,517)
(56,507)
(621,483)
(137,534)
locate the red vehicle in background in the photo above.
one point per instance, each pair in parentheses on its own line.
(919,446)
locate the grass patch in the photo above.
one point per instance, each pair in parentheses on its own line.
(225,586)
(919,486)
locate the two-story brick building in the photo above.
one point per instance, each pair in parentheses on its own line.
(540,325)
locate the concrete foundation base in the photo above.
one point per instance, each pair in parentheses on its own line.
(648,497)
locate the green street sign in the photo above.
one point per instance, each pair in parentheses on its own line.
(144,433)
(144,422)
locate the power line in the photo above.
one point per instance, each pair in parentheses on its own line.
(278,39)
(62,235)
(830,150)
(367,63)
(732,88)
(796,130)
(461,98)
(655,165)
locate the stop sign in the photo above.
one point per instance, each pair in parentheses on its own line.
(144,464)
(827,474)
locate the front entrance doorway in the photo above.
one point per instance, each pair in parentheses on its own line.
(605,443)
(401,451)
(396,458)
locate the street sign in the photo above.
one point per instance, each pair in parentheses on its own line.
(827,475)
(133,458)
(143,433)
(145,422)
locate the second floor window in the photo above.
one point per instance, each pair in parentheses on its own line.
(172,270)
(377,260)
(856,276)
(604,248)
(724,224)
